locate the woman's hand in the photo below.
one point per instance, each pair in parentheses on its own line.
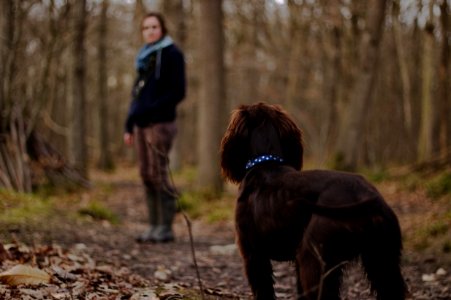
(128,139)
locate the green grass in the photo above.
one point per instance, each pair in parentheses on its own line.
(197,204)
(376,175)
(434,235)
(439,185)
(446,246)
(98,211)
(18,208)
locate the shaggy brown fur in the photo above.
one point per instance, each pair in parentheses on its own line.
(319,219)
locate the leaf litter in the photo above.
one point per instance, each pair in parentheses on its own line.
(97,260)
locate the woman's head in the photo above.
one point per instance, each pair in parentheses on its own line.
(153,27)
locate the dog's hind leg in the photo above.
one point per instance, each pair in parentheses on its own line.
(385,276)
(381,262)
(384,273)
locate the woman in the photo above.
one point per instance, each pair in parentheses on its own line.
(150,125)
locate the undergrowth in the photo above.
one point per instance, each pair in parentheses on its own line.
(439,185)
(20,208)
(98,211)
(200,205)
(47,203)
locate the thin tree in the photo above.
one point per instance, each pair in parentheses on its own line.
(79,147)
(176,18)
(335,73)
(444,83)
(140,11)
(350,136)
(211,104)
(426,139)
(403,68)
(14,163)
(4,30)
(105,159)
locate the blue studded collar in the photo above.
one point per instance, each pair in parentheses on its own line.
(262,158)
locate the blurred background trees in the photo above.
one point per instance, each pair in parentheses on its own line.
(367,81)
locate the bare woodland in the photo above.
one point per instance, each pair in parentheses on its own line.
(367,81)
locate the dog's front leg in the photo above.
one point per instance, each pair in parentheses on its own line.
(260,276)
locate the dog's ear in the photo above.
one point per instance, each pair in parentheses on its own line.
(234,147)
(290,138)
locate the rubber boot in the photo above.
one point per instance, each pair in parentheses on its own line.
(152,210)
(167,207)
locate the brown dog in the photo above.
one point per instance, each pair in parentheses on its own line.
(319,219)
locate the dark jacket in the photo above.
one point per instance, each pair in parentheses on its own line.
(164,88)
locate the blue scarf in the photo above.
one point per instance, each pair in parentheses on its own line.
(144,53)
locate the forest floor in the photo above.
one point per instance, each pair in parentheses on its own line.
(92,257)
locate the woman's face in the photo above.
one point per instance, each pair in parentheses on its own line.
(151,30)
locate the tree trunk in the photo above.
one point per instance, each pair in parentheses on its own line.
(426,138)
(444,83)
(250,75)
(4,30)
(294,68)
(350,137)
(14,166)
(333,88)
(79,148)
(140,11)
(105,159)
(7,60)
(176,18)
(211,105)
(58,172)
(403,69)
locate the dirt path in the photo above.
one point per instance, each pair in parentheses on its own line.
(170,266)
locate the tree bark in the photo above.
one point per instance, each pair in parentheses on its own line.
(14,163)
(176,18)
(403,69)
(350,137)
(444,83)
(294,83)
(8,11)
(249,73)
(211,105)
(140,11)
(105,158)
(79,147)
(57,170)
(4,13)
(426,138)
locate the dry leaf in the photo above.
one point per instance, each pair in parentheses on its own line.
(3,253)
(145,295)
(22,274)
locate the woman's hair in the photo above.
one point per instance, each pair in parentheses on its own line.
(160,18)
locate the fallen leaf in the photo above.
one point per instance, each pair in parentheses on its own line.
(230,249)
(441,272)
(3,253)
(22,274)
(428,277)
(162,274)
(144,295)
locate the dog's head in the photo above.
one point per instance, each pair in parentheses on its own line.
(259,129)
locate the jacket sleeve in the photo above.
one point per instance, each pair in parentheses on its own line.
(129,123)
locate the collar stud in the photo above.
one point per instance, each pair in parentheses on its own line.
(262,158)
